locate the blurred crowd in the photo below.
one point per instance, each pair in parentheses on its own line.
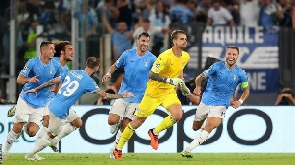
(125,19)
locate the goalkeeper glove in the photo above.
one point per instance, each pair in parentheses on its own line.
(174,81)
(184,89)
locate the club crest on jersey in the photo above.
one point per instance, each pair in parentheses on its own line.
(182,63)
(50,71)
(146,63)
(235,76)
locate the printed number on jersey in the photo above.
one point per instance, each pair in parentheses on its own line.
(68,87)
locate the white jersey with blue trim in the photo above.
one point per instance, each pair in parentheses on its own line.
(44,73)
(136,71)
(75,84)
(222,83)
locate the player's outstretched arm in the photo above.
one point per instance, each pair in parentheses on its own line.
(157,77)
(44,85)
(108,75)
(244,96)
(198,82)
(184,89)
(21,79)
(116,96)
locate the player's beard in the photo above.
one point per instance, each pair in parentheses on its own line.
(69,59)
(231,63)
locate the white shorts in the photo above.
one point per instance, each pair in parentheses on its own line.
(124,108)
(46,110)
(56,123)
(72,116)
(205,111)
(25,113)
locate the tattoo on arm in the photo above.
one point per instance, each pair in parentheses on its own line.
(157,77)
(199,79)
(113,96)
(46,84)
(245,94)
(112,69)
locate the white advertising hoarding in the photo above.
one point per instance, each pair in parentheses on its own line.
(249,129)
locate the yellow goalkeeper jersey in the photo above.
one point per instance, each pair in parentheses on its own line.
(166,65)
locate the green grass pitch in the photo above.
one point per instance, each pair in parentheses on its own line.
(155,159)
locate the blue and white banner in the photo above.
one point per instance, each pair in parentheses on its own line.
(258,52)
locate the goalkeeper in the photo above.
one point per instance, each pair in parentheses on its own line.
(166,73)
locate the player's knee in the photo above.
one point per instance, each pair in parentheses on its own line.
(77,123)
(177,117)
(113,120)
(31,132)
(195,128)
(197,125)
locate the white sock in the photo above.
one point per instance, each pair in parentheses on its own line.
(203,125)
(199,139)
(66,130)
(42,132)
(118,136)
(40,144)
(11,137)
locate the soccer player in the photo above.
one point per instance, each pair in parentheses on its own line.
(136,63)
(166,73)
(29,107)
(75,84)
(224,77)
(63,53)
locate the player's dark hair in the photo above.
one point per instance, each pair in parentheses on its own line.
(143,34)
(174,34)
(45,43)
(60,46)
(92,62)
(234,47)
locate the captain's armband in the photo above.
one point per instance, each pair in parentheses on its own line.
(245,84)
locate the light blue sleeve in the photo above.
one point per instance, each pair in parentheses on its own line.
(210,70)
(27,68)
(94,87)
(244,79)
(122,59)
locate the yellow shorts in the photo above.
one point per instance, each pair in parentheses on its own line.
(148,104)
